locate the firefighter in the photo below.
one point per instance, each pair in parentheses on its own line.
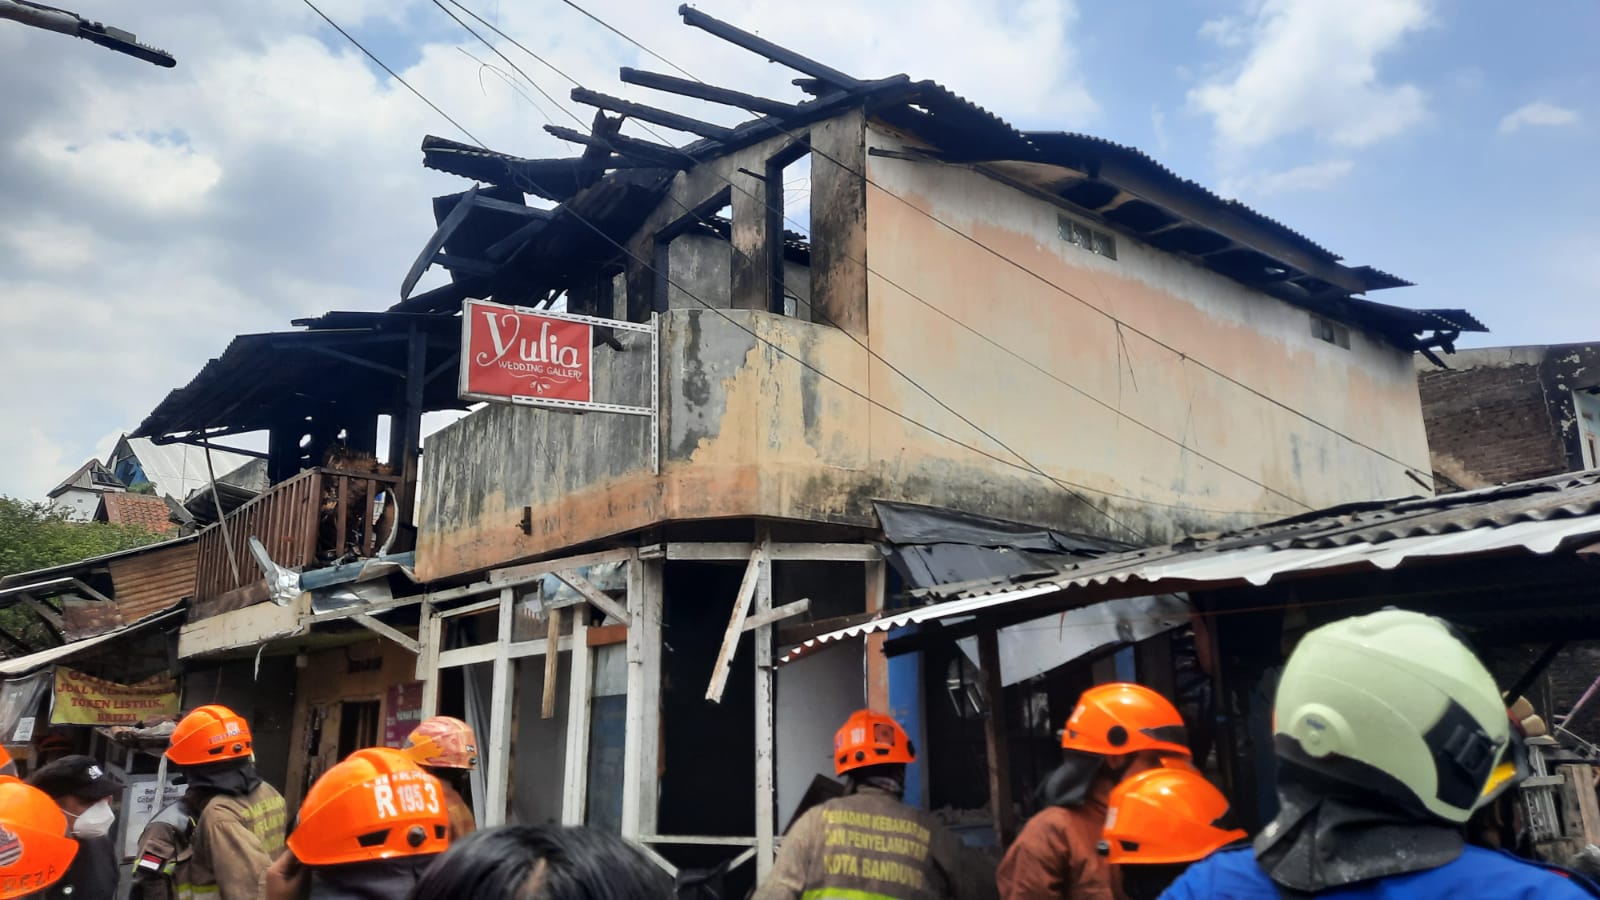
(1389,732)
(869,843)
(163,844)
(239,819)
(1117,730)
(367,829)
(1160,821)
(447,749)
(35,851)
(83,790)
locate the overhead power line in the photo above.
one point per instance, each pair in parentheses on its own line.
(1024,268)
(874,354)
(393,74)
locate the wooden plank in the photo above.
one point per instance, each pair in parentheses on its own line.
(429,632)
(766,772)
(534,570)
(778,614)
(366,519)
(1578,797)
(575,775)
(877,662)
(384,629)
(246,627)
(995,738)
(593,594)
(552,662)
(466,656)
(342,515)
(641,741)
(497,778)
(605,635)
(729,551)
(43,611)
(730,638)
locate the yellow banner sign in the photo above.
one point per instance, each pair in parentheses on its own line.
(86,700)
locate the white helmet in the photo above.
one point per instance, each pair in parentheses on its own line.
(1396,704)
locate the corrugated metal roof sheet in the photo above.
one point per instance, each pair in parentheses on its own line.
(1534,516)
(22,664)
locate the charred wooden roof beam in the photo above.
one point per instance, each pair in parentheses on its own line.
(763,47)
(645,151)
(646,113)
(702,91)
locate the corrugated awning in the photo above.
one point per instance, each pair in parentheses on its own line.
(21,664)
(1536,517)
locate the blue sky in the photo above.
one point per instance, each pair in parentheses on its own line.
(150,214)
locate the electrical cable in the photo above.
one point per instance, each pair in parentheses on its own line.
(393,74)
(1070,294)
(1028,465)
(913,382)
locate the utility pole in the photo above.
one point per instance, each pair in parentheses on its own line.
(60,20)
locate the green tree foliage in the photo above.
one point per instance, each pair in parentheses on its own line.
(37,536)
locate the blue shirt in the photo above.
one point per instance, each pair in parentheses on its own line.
(1234,875)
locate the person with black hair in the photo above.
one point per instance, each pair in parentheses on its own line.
(543,862)
(870,843)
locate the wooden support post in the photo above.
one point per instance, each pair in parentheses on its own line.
(1580,814)
(642,731)
(552,663)
(430,632)
(994,733)
(741,609)
(877,663)
(574,791)
(766,768)
(594,595)
(409,426)
(497,777)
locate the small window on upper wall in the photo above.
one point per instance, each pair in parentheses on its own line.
(1332,332)
(1090,239)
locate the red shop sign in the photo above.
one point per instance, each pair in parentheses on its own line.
(510,354)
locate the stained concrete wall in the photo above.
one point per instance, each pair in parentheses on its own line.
(770,416)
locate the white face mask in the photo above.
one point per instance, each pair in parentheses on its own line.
(95,821)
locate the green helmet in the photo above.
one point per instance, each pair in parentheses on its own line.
(1394,703)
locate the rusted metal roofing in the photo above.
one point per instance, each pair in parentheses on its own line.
(1538,517)
(144,510)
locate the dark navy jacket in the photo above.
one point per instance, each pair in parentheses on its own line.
(1234,875)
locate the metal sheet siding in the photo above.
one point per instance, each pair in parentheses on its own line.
(154,581)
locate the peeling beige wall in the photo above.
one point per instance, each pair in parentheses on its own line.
(767,416)
(1083,422)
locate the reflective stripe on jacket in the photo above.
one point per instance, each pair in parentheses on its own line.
(235,839)
(870,846)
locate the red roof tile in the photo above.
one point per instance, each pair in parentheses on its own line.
(143,510)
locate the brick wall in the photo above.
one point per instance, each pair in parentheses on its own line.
(1490,424)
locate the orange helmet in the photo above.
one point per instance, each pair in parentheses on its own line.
(34,848)
(1165,816)
(376,804)
(443,742)
(209,734)
(1121,718)
(870,739)
(8,766)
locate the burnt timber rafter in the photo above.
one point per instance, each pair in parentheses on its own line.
(645,113)
(710,93)
(781,55)
(659,155)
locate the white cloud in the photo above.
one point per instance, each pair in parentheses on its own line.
(148,215)
(1312,66)
(1537,113)
(1311,177)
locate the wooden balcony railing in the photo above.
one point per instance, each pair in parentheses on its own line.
(316,518)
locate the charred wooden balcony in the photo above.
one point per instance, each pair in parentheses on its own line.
(318,518)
